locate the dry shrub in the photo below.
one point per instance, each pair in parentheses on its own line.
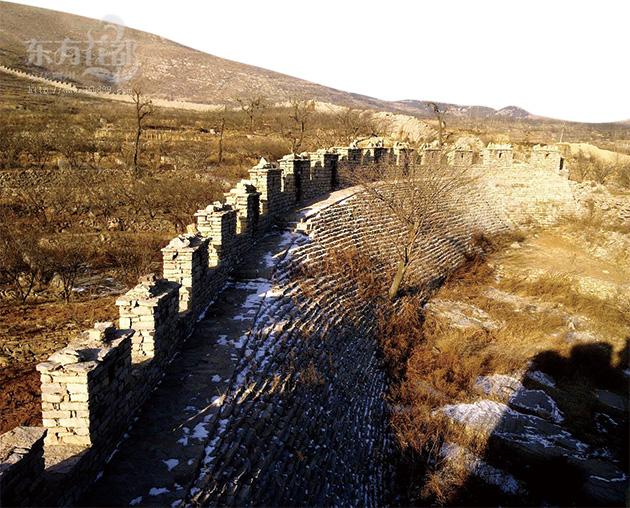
(67,260)
(399,330)
(623,175)
(594,222)
(133,256)
(21,260)
(584,167)
(429,363)
(609,313)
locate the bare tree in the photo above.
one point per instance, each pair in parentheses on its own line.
(439,116)
(353,123)
(412,196)
(21,259)
(143,108)
(221,131)
(11,145)
(67,259)
(294,128)
(252,107)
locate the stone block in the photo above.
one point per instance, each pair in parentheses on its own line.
(21,465)
(150,309)
(87,388)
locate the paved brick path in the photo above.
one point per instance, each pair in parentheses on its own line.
(157,462)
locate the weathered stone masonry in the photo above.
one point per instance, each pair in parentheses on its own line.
(317,434)
(92,388)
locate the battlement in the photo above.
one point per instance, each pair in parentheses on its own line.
(498,155)
(547,157)
(85,387)
(461,157)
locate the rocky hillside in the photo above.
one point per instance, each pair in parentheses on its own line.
(168,70)
(425,108)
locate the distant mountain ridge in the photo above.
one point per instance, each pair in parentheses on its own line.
(171,71)
(425,108)
(166,69)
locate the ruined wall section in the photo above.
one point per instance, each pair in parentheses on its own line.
(313,381)
(311,366)
(92,388)
(528,194)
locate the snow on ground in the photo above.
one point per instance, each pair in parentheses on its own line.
(156,491)
(541,378)
(171,463)
(477,467)
(461,315)
(499,420)
(482,414)
(519,397)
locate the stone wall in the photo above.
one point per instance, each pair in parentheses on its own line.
(85,387)
(92,388)
(461,157)
(21,465)
(498,155)
(521,190)
(432,156)
(304,421)
(150,309)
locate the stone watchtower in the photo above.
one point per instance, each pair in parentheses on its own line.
(498,155)
(547,157)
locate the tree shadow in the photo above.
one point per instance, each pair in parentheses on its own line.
(577,457)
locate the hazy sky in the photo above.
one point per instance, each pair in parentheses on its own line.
(565,59)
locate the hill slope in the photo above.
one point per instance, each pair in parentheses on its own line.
(171,71)
(167,70)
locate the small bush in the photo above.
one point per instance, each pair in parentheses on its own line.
(132,257)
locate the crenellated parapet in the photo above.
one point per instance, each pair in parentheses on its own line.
(150,309)
(245,200)
(349,156)
(547,157)
(295,170)
(498,155)
(431,156)
(323,173)
(267,180)
(85,387)
(402,154)
(461,157)
(185,262)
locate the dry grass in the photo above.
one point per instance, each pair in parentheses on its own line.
(444,361)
